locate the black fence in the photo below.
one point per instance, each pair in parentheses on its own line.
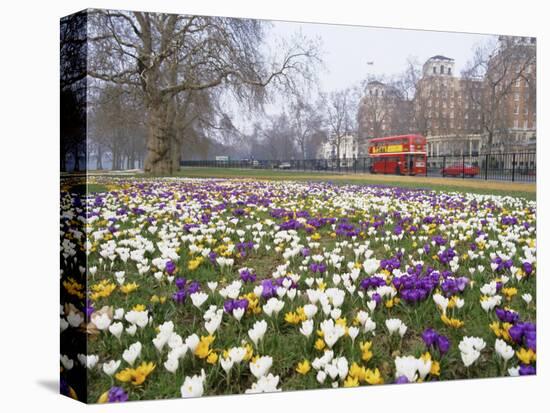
(515,167)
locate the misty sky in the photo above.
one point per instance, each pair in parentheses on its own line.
(349,48)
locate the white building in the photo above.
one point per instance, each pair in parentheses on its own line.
(349,148)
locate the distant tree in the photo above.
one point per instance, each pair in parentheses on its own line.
(73,88)
(497,66)
(165,55)
(341,110)
(305,121)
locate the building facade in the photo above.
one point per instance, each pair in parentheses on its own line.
(349,148)
(510,86)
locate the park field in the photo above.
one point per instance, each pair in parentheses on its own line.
(198,286)
(527,190)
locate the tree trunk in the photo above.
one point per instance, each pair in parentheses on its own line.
(114,160)
(176,150)
(159,140)
(76,159)
(99,163)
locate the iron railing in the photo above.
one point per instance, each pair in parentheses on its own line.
(515,167)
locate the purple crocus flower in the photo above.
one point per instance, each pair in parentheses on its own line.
(433,339)
(268,289)
(247,276)
(507,316)
(179,296)
(193,287)
(527,370)
(117,395)
(429,336)
(170,267)
(443,344)
(230,305)
(89,308)
(401,380)
(180,283)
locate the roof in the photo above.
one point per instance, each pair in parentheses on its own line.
(386,138)
(375,83)
(440,57)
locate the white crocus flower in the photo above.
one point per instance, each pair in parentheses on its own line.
(171,364)
(116,329)
(67,362)
(353,333)
(261,366)
(226,363)
(192,342)
(199,298)
(111,367)
(257,332)
(307,328)
(131,330)
(132,353)
(238,313)
(193,386)
(395,325)
(119,314)
(237,354)
(265,384)
(273,306)
(310,310)
(504,350)
(101,321)
(75,318)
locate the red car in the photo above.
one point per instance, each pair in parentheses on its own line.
(460,169)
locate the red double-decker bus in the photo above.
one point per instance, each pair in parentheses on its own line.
(404,155)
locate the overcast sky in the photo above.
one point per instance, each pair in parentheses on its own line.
(349,48)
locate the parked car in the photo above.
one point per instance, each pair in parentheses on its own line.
(460,169)
(284,165)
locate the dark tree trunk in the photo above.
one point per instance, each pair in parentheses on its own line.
(76,159)
(99,162)
(176,150)
(159,140)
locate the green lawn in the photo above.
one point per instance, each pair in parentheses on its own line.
(525,190)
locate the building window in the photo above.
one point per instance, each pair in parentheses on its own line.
(525,124)
(516,110)
(442,69)
(435,70)
(516,123)
(516,96)
(518,82)
(449,71)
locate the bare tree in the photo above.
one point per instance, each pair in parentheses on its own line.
(305,121)
(166,55)
(341,109)
(116,127)
(497,66)
(73,58)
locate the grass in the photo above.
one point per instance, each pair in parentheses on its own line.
(524,190)
(283,342)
